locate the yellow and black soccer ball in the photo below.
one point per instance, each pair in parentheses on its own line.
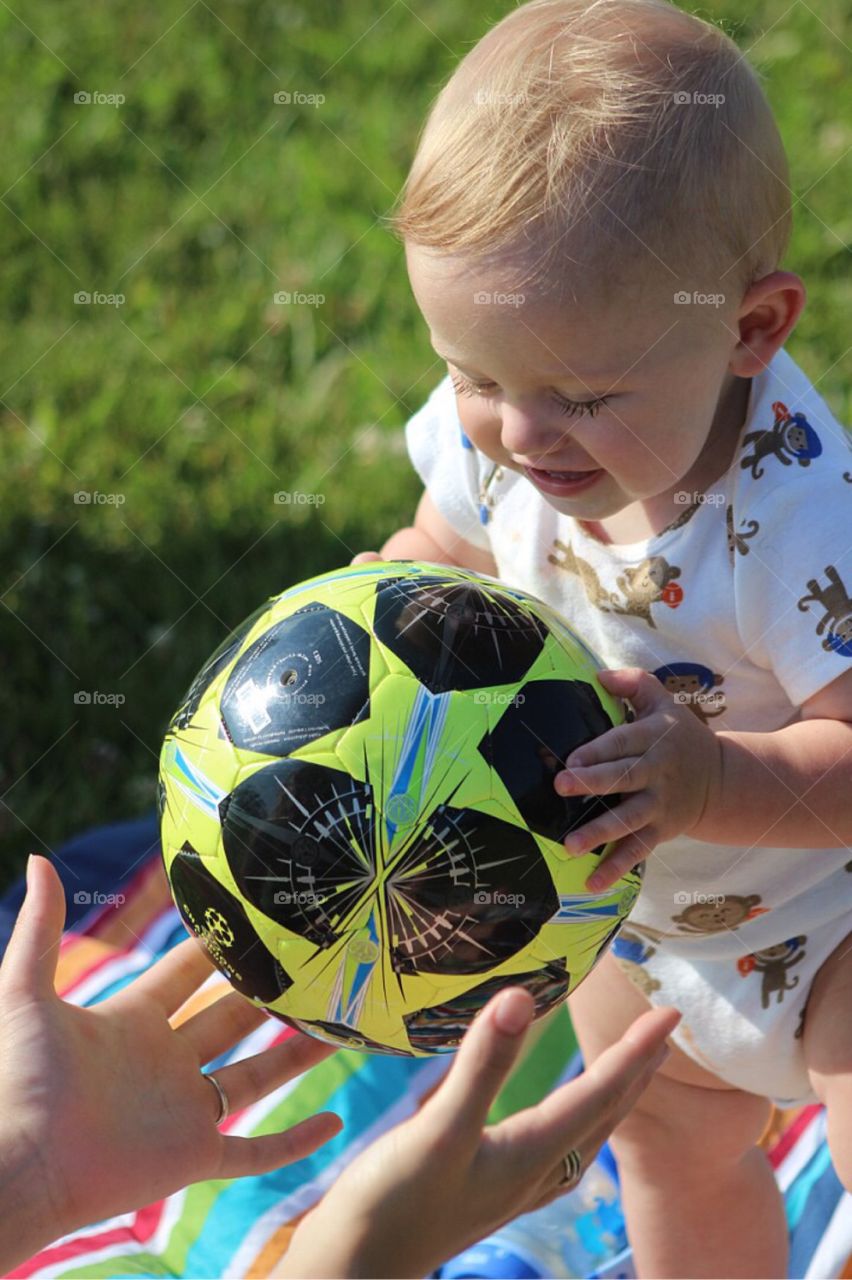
(357,805)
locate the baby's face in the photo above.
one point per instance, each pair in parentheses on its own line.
(621,396)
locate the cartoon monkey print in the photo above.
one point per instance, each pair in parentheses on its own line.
(651,582)
(630,954)
(694,685)
(834,599)
(567,559)
(738,540)
(713,913)
(800,1029)
(772,964)
(791,437)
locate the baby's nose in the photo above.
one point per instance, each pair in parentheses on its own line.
(524,434)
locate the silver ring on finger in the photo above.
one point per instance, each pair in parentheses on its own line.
(572,1166)
(224,1107)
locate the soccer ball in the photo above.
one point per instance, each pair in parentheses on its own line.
(357,805)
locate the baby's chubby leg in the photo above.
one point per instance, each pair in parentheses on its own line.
(827,1045)
(699,1195)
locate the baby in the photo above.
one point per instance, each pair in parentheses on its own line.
(594,223)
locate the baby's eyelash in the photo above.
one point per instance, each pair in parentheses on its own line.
(464,387)
(590,407)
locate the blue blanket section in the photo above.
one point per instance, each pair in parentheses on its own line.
(99,860)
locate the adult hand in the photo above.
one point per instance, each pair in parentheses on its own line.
(668,762)
(106,1109)
(440,1181)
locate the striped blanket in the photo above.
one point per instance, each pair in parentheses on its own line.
(242,1227)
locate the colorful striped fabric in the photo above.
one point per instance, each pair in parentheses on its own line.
(242,1227)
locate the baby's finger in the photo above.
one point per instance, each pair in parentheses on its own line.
(632,815)
(487,1054)
(621,742)
(246,1157)
(603,779)
(640,687)
(364,557)
(626,854)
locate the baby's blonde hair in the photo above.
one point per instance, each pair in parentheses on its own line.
(566,129)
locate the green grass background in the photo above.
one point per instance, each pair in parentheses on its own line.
(199,398)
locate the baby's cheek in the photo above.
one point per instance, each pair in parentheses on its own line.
(482,427)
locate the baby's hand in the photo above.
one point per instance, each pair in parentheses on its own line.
(667,760)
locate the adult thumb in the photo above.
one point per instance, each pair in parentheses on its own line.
(33,950)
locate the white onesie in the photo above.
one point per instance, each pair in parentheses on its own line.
(743,608)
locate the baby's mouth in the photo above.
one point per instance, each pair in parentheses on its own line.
(562,483)
(562,475)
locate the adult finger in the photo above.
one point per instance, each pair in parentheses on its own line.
(252,1078)
(175,977)
(246,1157)
(637,1047)
(32,952)
(488,1051)
(215,1028)
(364,557)
(586,1110)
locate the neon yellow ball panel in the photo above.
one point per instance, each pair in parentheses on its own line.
(357,805)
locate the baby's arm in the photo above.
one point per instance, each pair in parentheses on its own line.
(432,538)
